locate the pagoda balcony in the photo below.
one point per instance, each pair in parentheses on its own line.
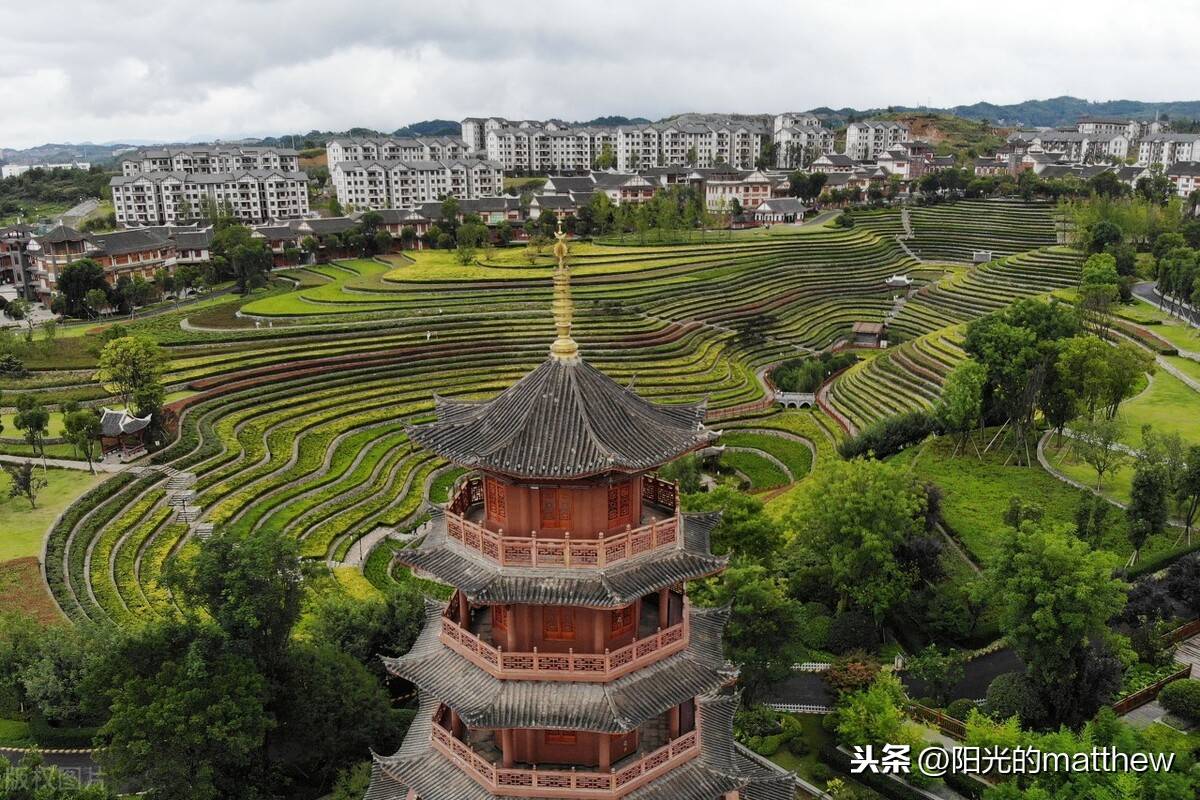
(478,755)
(463,525)
(653,644)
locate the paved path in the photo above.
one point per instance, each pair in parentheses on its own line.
(1147,292)
(78,764)
(66,463)
(1188,652)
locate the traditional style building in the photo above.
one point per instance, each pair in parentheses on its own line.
(569,662)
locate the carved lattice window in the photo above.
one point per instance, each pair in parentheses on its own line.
(495,498)
(558,623)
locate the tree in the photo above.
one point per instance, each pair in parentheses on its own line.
(96,301)
(1090,517)
(1098,444)
(236,255)
(251,586)
(1147,510)
(1102,234)
(1082,365)
(607,159)
(82,429)
(76,280)
(760,636)
(130,364)
(1055,597)
(33,420)
(851,522)
(960,408)
(368,629)
(1187,495)
(1098,292)
(188,717)
(24,482)
(744,529)
(940,670)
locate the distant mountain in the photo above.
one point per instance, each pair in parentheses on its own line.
(613,121)
(1035,113)
(430,127)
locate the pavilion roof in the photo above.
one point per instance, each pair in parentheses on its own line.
(722,766)
(614,586)
(484,701)
(564,420)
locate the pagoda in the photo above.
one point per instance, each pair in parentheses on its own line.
(569,662)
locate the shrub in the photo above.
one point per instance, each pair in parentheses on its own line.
(1182,698)
(889,436)
(850,631)
(960,708)
(1010,695)
(852,673)
(11,366)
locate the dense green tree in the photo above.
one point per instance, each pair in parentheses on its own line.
(761,634)
(960,408)
(744,529)
(130,364)
(188,717)
(82,430)
(252,588)
(33,420)
(1055,597)
(370,628)
(851,522)
(1147,510)
(76,280)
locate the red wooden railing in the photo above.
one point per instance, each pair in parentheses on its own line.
(569,666)
(532,551)
(582,783)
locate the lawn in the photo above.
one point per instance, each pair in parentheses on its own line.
(10,430)
(977,491)
(24,527)
(1168,405)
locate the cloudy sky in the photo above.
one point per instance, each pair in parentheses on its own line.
(166,70)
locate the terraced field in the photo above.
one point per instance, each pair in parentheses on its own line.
(910,376)
(293,413)
(953,231)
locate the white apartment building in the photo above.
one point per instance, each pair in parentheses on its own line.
(800,145)
(210,159)
(866,140)
(1185,176)
(363,185)
(13,170)
(166,198)
(390,148)
(554,146)
(1168,148)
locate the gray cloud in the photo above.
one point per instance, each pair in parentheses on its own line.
(173,70)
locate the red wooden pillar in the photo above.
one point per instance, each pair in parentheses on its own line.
(673,723)
(605,752)
(506,747)
(464,611)
(664,607)
(456,724)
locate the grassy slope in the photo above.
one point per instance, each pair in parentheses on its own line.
(23,527)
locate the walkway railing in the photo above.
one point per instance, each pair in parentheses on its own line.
(532,551)
(582,783)
(569,666)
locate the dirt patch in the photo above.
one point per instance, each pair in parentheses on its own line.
(22,589)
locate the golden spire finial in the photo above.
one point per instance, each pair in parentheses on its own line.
(564,347)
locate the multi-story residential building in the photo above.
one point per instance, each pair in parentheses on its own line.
(13,170)
(1168,148)
(797,146)
(142,253)
(168,198)
(554,146)
(1185,176)
(390,148)
(210,159)
(867,139)
(379,184)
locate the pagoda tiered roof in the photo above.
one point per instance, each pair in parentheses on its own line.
(614,586)
(563,420)
(485,701)
(722,766)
